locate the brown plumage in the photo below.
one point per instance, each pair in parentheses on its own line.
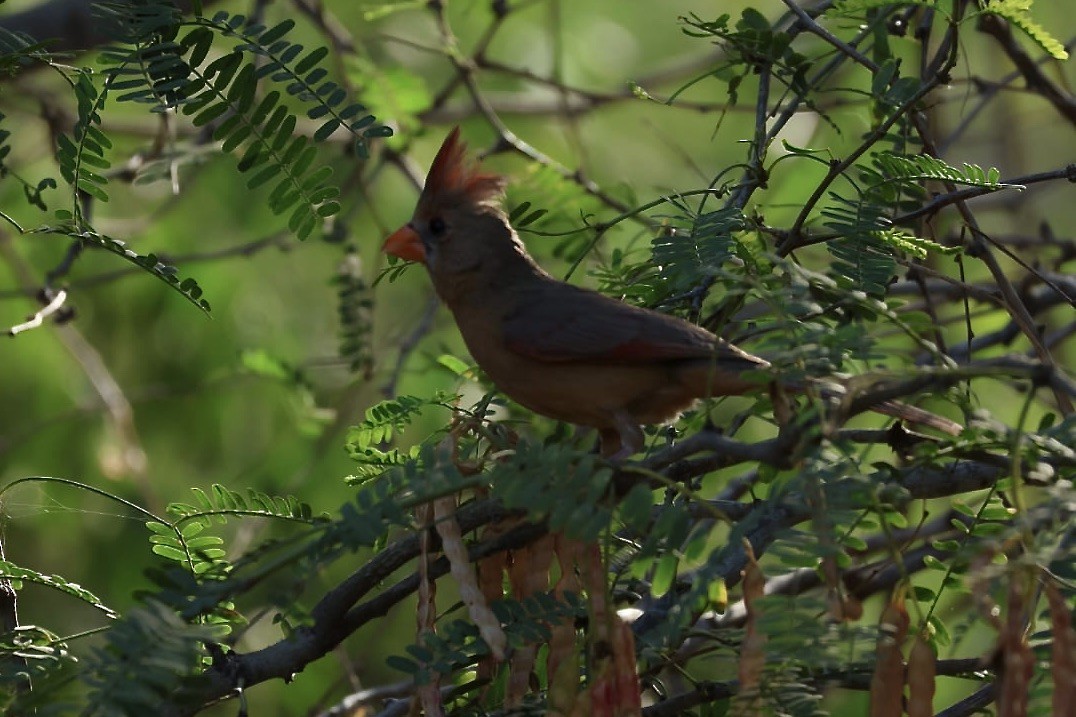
(562,351)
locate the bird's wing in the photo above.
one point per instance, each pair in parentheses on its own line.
(557,322)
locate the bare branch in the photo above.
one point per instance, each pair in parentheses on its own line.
(1063,102)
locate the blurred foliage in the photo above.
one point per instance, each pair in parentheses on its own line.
(230,469)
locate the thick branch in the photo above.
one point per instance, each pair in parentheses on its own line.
(333,617)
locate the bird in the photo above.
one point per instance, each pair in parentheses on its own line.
(560,350)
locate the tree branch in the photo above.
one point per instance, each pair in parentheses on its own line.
(1036,79)
(334,618)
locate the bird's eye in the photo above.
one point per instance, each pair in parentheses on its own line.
(437,226)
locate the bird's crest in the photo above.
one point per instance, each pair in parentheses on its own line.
(452,171)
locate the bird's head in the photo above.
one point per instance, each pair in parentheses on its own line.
(458,227)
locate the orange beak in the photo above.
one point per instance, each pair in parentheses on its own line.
(405,244)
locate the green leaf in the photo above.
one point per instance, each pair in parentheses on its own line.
(312,58)
(684,259)
(172,553)
(199,40)
(941,633)
(328,209)
(664,574)
(16,574)
(279,31)
(635,508)
(210,114)
(325,131)
(1018,13)
(263,176)
(932,563)
(264,108)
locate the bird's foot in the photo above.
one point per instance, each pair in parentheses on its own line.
(623,440)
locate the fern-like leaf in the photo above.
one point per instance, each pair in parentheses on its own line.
(18,51)
(1018,12)
(860,7)
(188,287)
(224,94)
(147,656)
(571,498)
(862,259)
(82,156)
(221,503)
(17,575)
(384,420)
(199,554)
(354,307)
(904,169)
(685,259)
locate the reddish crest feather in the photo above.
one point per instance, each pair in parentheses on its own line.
(452,172)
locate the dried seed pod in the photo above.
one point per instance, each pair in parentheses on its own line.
(529,575)
(444,511)
(562,665)
(752,653)
(1018,662)
(1063,667)
(428,695)
(922,667)
(887,683)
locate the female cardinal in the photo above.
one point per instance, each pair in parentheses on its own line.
(562,351)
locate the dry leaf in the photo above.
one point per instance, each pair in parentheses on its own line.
(752,650)
(1018,663)
(1063,664)
(444,513)
(529,574)
(562,665)
(922,666)
(887,683)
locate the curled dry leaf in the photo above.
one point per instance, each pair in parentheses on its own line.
(428,694)
(427,589)
(1018,662)
(628,697)
(491,571)
(529,575)
(1063,664)
(922,668)
(444,510)
(887,683)
(752,650)
(614,678)
(562,665)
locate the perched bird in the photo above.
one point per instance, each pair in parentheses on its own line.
(562,351)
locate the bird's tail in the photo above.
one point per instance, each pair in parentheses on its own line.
(733,373)
(836,390)
(918,416)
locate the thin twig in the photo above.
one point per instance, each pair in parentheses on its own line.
(1036,79)
(409,344)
